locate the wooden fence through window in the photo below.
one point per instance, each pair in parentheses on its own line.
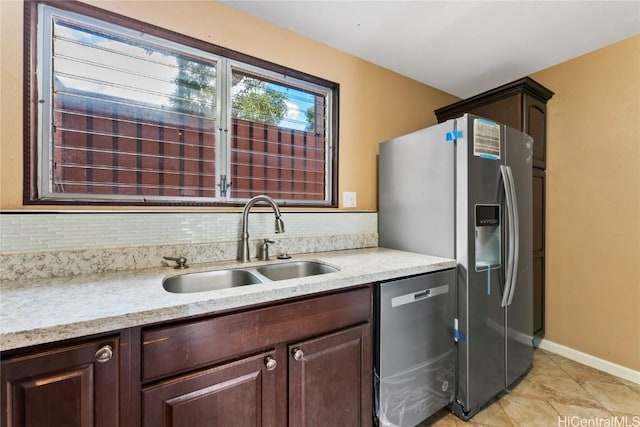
(109,147)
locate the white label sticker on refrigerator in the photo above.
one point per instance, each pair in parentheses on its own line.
(486,139)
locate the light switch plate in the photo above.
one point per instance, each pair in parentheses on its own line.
(349,199)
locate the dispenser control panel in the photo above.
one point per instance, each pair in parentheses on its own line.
(488,237)
(487,215)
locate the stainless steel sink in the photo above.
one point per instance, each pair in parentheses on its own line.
(292,270)
(230,278)
(209,281)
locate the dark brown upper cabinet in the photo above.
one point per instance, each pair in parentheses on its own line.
(521,104)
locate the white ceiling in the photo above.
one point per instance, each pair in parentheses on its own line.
(460,47)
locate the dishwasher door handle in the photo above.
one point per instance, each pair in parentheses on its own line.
(422,294)
(419,296)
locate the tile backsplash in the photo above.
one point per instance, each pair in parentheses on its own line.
(21,233)
(34,245)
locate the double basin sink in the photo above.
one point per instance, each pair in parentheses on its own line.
(232,277)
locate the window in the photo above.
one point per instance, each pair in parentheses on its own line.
(150,117)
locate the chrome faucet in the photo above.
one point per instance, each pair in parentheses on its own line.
(243,248)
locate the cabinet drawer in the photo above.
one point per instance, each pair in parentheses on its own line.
(173,349)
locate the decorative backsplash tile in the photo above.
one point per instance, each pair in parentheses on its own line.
(55,245)
(22,233)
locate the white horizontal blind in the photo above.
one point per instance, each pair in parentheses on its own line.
(130,118)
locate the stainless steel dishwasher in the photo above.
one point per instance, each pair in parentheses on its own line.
(414,355)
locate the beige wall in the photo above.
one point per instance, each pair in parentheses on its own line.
(593,203)
(375,104)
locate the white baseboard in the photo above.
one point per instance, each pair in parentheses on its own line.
(592,361)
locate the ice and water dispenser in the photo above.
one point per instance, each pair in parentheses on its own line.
(488,239)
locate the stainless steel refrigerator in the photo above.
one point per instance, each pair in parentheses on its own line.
(462,189)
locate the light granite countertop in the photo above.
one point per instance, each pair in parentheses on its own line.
(47,310)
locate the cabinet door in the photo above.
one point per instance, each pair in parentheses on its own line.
(506,111)
(330,380)
(70,386)
(538,294)
(538,250)
(534,123)
(538,213)
(240,393)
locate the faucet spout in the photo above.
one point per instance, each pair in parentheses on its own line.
(243,248)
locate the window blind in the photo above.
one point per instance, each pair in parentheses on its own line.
(129,118)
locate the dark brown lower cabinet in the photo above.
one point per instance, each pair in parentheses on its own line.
(240,393)
(76,385)
(329,380)
(305,362)
(329,384)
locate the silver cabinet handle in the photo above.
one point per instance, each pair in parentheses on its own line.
(104,354)
(270,363)
(297,354)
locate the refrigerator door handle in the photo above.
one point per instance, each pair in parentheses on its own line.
(516,236)
(504,171)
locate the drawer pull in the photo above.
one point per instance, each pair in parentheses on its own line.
(297,354)
(270,363)
(104,354)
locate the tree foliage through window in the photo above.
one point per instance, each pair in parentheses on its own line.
(253,99)
(256,101)
(195,87)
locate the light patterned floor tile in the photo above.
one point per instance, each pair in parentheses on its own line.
(566,391)
(544,365)
(614,397)
(529,388)
(492,415)
(634,386)
(529,412)
(582,373)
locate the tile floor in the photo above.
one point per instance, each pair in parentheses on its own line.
(558,392)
